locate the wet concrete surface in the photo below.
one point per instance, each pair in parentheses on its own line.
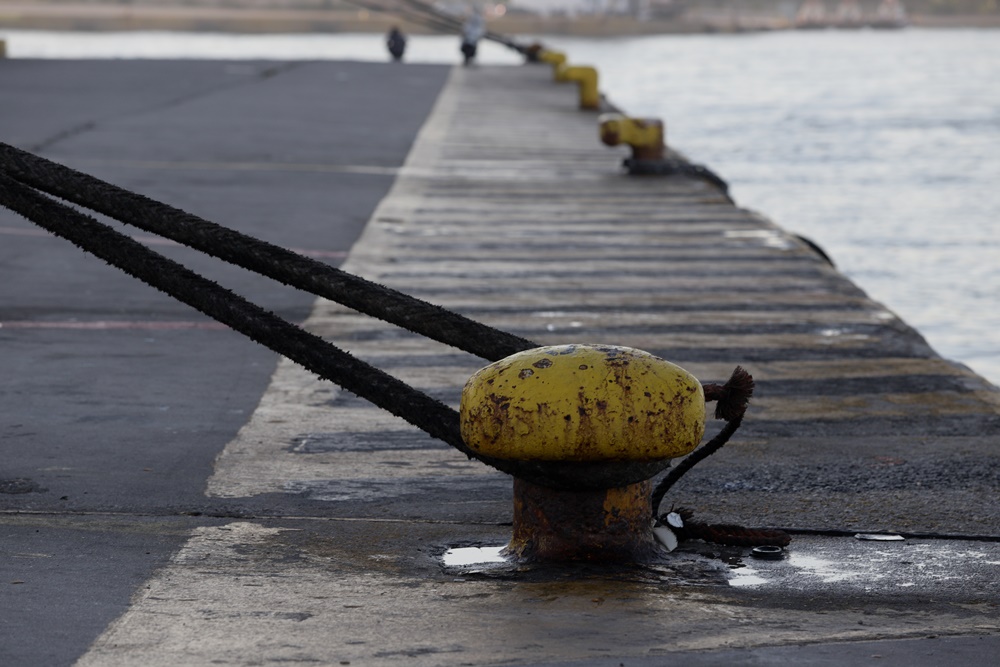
(929,650)
(377,592)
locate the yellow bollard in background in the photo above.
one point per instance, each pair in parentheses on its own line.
(554,58)
(644,135)
(586,77)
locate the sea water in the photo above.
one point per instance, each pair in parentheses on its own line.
(881,146)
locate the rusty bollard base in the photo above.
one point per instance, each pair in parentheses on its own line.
(600,408)
(610,526)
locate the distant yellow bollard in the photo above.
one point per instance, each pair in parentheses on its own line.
(554,58)
(601,416)
(586,77)
(644,135)
(3,49)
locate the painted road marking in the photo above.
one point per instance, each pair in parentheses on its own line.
(112,325)
(373,170)
(157,241)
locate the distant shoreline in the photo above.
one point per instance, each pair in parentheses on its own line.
(107,18)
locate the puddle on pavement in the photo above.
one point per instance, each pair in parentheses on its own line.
(809,564)
(796,565)
(488,561)
(874,563)
(472,556)
(745,577)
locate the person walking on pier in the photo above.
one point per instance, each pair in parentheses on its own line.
(472,31)
(396,43)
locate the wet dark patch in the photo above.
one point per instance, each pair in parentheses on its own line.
(868,426)
(709,253)
(687,306)
(700,269)
(380,489)
(363,441)
(746,355)
(747,287)
(883,384)
(411,653)
(825,336)
(872,474)
(346,399)
(20,485)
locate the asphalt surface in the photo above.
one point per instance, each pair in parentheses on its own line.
(114,398)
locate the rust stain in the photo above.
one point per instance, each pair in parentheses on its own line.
(611,525)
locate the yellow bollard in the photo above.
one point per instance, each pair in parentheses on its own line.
(3,49)
(586,78)
(554,58)
(644,135)
(609,418)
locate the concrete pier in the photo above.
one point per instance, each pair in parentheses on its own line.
(508,210)
(321,533)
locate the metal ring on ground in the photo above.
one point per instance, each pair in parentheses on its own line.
(768,552)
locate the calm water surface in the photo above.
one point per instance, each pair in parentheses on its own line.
(883,147)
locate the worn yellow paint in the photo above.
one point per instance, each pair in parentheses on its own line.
(586,78)
(583,403)
(616,129)
(625,503)
(554,58)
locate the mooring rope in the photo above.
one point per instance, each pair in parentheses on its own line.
(312,352)
(20,172)
(283,265)
(732,398)
(317,355)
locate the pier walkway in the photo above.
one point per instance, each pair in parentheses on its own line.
(325,519)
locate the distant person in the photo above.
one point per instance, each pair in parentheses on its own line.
(396,42)
(472,31)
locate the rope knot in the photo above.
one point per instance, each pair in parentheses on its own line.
(733,397)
